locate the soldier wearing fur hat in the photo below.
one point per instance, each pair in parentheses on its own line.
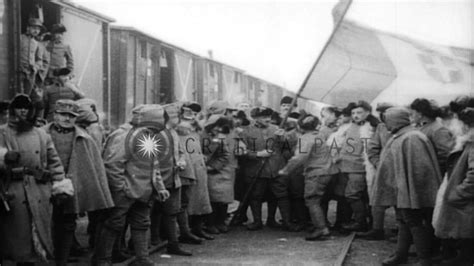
(132,167)
(60,53)
(171,164)
(82,162)
(29,163)
(61,88)
(264,149)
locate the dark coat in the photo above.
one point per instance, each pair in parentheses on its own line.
(442,139)
(376,144)
(87,173)
(220,169)
(258,139)
(31,203)
(456,208)
(408,175)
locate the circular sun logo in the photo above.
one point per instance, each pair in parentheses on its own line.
(148,145)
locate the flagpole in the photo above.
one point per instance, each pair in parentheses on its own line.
(305,81)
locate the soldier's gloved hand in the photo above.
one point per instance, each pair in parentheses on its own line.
(282,172)
(163,195)
(181,165)
(12,157)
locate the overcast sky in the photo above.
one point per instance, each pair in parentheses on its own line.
(280,40)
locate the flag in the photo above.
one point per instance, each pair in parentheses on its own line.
(362,63)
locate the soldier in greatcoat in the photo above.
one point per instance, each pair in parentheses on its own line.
(29,164)
(82,162)
(374,149)
(164,214)
(199,205)
(132,168)
(409,170)
(424,114)
(454,212)
(220,170)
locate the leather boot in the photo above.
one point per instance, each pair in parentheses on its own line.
(360,215)
(284,206)
(373,234)
(63,247)
(175,249)
(256,207)
(196,223)
(318,234)
(421,239)
(212,219)
(140,243)
(221,217)
(403,245)
(185,232)
(103,247)
(155,227)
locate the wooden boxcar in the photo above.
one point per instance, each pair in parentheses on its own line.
(87,34)
(148,70)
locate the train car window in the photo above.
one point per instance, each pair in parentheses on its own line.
(163,60)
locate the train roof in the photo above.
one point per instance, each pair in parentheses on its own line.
(70,4)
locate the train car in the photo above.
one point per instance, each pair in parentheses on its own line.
(233,89)
(148,70)
(87,34)
(209,81)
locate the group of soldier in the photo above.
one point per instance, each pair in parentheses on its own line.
(173,170)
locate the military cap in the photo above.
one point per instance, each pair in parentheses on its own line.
(64,106)
(58,28)
(36,22)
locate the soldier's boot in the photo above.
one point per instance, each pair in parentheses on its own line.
(421,239)
(319,221)
(63,247)
(169,221)
(300,213)
(102,255)
(256,208)
(221,217)
(196,227)
(185,232)
(212,219)
(271,212)
(360,216)
(403,245)
(284,206)
(140,243)
(155,227)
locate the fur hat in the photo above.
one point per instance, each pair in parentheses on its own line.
(286,100)
(308,122)
(21,101)
(263,111)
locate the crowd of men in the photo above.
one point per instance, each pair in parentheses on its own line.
(173,169)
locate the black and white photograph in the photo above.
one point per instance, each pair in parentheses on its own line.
(236,132)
